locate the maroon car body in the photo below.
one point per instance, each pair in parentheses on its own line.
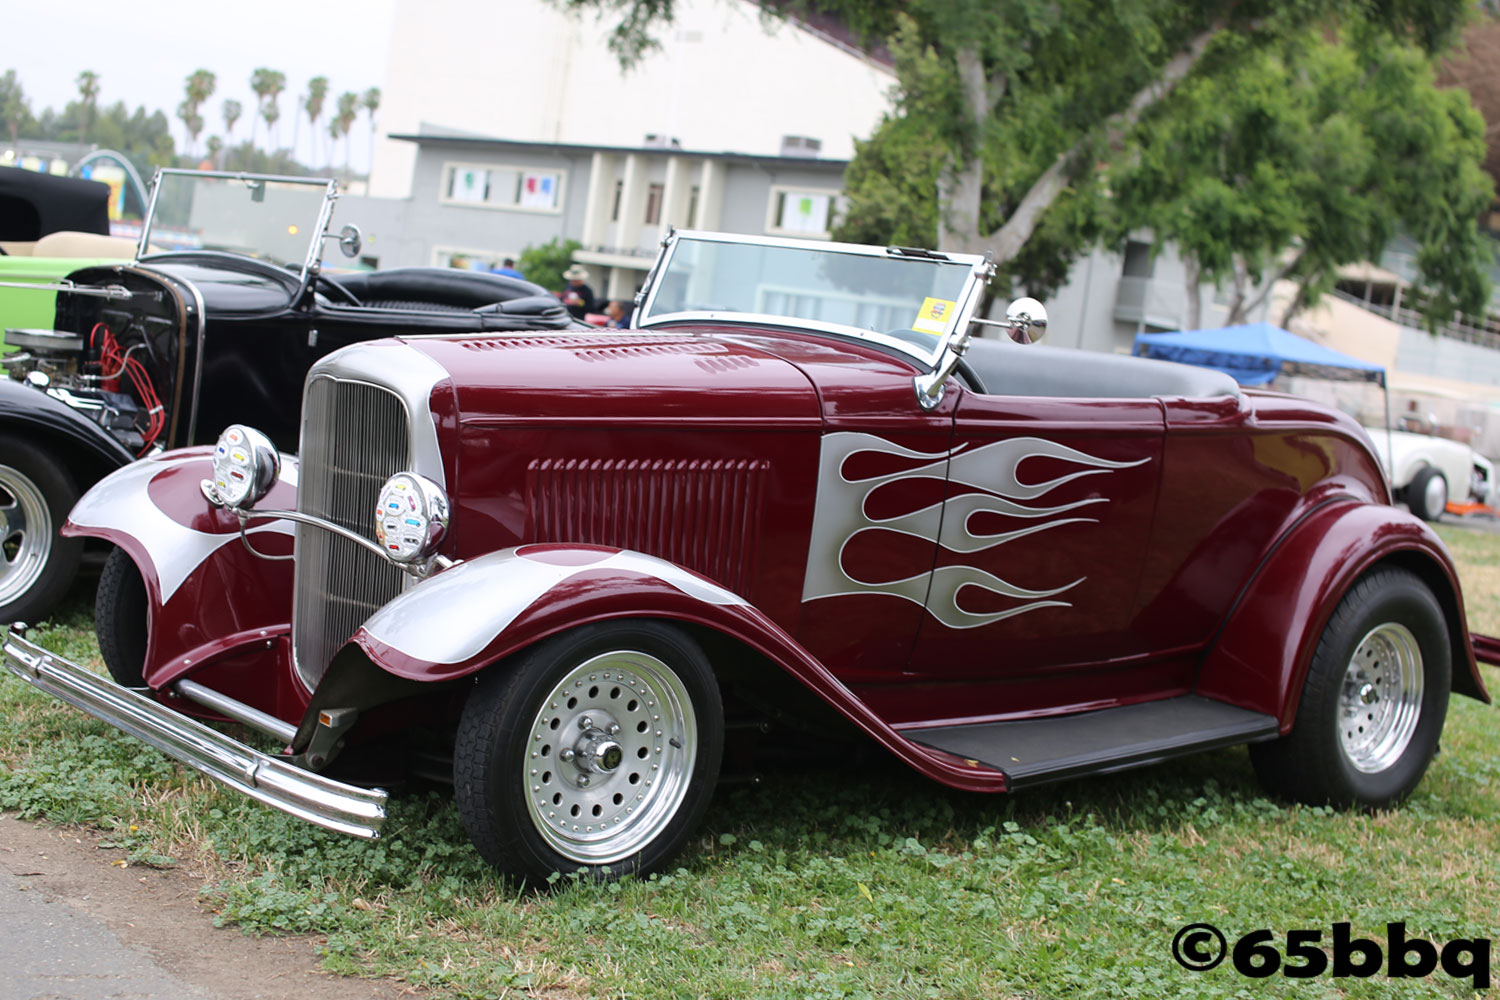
(1057,564)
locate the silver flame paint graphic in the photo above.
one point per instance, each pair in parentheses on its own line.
(840,514)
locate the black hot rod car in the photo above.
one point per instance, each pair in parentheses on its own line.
(218,317)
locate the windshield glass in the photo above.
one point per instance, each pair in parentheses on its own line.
(910,301)
(274,219)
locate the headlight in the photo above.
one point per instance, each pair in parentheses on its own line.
(245,467)
(411,518)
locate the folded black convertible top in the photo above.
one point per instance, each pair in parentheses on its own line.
(34,204)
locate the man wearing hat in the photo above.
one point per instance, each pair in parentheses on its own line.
(577,296)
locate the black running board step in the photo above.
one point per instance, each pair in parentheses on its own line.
(1032,751)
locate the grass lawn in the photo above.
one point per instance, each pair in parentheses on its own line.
(828,882)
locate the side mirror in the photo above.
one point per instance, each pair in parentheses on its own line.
(1027,321)
(350,241)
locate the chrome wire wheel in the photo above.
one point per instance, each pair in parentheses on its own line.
(1380,699)
(612,752)
(25,533)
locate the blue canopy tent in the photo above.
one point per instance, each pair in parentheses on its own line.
(1256,354)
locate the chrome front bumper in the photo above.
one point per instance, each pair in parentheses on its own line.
(312,797)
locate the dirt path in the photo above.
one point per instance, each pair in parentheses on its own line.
(138,932)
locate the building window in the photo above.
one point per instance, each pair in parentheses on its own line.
(499,186)
(653,204)
(614,212)
(692,212)
(800,212)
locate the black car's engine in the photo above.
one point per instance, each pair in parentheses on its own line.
(97,379)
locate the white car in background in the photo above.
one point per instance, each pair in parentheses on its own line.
(1427,471)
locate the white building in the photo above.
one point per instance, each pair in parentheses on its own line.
(726,78)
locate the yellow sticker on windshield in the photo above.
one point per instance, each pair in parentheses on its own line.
(935,316)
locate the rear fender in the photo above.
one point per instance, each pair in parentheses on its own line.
(481,611)
(207,595)
(1261,657)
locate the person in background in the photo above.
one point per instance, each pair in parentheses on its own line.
(508,268)
(618,313)
(578,296)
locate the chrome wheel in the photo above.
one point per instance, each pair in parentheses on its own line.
(1380,699)
(25,533)
(611,756)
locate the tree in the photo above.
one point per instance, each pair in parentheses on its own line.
(266,84)
(199,87)
(13,105)
(348,111)
(232,111)
(88,89)
(216,151)
(544,264)
(1314,155)
(370,101)
(1022,102)
(317,96)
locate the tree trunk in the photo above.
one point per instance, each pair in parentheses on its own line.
(961,182)
(1191,278)
(1236,315)
(1007,241)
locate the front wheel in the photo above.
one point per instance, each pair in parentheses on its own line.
(596,751)
(1427,494)
(37,565)
(1374,702)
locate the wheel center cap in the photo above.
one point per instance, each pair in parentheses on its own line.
(598,752)
(1368,694)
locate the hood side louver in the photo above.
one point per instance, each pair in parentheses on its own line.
(703,515)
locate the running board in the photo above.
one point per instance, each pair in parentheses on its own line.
(332,804)
(1033,751)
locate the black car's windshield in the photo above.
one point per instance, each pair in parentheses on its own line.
(273,219)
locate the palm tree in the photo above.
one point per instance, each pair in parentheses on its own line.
(371,103)
(348,111)
(272,113)
(317,94)
(265,83)
(215,151)
(88,88)
(232,111)
(200,86)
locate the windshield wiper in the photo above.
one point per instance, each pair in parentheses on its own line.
(916,252)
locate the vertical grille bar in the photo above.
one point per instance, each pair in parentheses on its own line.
(354,437)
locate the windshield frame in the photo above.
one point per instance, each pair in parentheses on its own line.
(312,258)
(977,276)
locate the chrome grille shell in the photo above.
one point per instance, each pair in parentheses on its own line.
(365,417)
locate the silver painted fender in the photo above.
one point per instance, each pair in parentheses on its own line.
(467,617)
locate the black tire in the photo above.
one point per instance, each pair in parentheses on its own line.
(512,779)
(1427,494)
(1373,705)
(120,619)
(37,565)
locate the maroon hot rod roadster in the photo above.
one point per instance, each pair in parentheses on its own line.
(801,480)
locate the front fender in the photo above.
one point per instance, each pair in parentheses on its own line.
(481,611)
(206,594)
(1262,654)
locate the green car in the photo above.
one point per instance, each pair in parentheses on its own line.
(49,227)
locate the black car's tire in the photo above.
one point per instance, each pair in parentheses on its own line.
(37,565)
(595,752)
(120,619)
(1374,702)
(1427,494)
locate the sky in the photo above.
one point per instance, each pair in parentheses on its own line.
(144,52)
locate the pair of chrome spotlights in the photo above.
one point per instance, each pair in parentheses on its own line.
(411,514)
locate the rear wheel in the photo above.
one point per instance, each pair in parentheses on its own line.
(37,566)
(120,619)
(1427,495)
(596,751)
(1373,706)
